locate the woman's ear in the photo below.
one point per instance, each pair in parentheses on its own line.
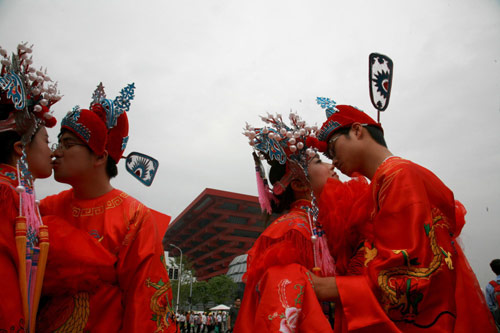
(18,150)
(299,186)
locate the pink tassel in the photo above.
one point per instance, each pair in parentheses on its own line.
(33,222)
(324,259)
(264,194)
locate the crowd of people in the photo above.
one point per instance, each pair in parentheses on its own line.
(208,322)
(382,246)
(202,322)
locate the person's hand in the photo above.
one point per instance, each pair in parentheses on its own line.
(325,287)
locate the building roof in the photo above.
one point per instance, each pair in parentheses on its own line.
(215,228)
(237,267)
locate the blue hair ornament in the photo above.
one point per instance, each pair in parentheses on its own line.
(328,104)
(15,89)
(270,147)
(114,108)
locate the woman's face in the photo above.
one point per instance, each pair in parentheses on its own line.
(319,172)
(38,155)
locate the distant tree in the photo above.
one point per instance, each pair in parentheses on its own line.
(201,293)
(222,289)
(184,296)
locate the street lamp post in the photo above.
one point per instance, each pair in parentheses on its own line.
(179,278)
(190,291)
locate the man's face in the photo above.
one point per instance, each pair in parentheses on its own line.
(73,160)
(237,303)
(344,149)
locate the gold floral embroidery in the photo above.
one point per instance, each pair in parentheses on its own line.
(162,310)
(384,186)
(370,254)
(80,315)
(137,214)
(400,284)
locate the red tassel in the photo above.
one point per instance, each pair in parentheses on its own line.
(314,142)
(325,260)
(263,191)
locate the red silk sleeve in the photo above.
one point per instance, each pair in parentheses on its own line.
(51,205)
(344,212)
(361,309)
(284,301)
(143,277)
(11,306)
(76,256)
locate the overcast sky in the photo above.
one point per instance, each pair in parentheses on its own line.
(202,68)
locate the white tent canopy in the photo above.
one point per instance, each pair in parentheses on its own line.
(220,307)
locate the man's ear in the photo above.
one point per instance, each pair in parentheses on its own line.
(101,159)
(357,130)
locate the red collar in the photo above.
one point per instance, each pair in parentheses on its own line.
(301,204)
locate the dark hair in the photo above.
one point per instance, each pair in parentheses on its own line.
(111,168)
(343,131)
(8,138)
(495,266)
(286,198)
(375,132)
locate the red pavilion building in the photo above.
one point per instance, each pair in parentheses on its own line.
(215,228)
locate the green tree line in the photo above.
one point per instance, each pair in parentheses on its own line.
(219,289)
